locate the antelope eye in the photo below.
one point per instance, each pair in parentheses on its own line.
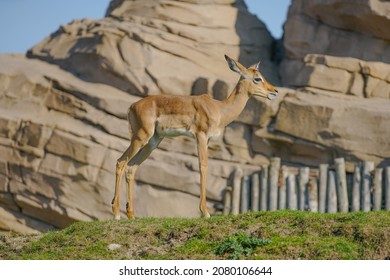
(257,80)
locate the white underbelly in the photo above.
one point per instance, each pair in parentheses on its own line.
(173,132)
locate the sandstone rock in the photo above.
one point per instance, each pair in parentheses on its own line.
(50,174)
(344,75)
(352,127)
(13,221)
(3,183)
(3,168)
(257,112)
(158,202)
(81,150)
(129,51)
(346,63)
(291,149)
(64,166)
(323,77)
(377,70)
(338,28)
(358,85)
(377,88)
(360,16)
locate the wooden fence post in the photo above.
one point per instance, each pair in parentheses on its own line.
(273,183)
(264,188)
(227,201)
(323,187)
(302,187)
(236,191)
(332,196)
(282,188)
(341,183)
(387,188)
(255,192)
(356,188)
(377,189)
(292,199)
(313,195)
(368,167)
(245,194)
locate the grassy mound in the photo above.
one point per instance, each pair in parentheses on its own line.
(253,235)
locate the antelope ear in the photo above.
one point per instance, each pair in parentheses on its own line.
(235,66)
(258,66)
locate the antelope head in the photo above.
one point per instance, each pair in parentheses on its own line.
(253,79)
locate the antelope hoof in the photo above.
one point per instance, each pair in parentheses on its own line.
(206,215)
(130,215)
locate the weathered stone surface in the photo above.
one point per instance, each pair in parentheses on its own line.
(377,88)
(257,112)
(341,75)
(14,221)
(130,48)
(338,28)
(354,128)
(323,77)
(81,150)
(362,16)
(3,183)
(159,202)
(291,149)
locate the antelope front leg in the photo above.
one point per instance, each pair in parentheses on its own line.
(203,158)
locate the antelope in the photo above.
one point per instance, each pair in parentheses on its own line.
(201,117)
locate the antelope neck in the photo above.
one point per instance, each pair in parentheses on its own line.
(232,107)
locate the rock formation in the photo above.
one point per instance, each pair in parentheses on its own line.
(338,28)
(337,56)
(133,46)
(63,106)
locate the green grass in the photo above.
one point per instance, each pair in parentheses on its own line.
(253,235)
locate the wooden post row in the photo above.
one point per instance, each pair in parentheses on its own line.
(236,191)
(264,188)
(331,195)
(245,194)
(227,201)
(312,191)
(356,188)
(341,185)
(275,188)
(368,167)
(377,190)
(292,198)
(302,188)
(273,184)
(282,188)
(323,183)
(255,192)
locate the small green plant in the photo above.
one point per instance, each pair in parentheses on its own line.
(240,244)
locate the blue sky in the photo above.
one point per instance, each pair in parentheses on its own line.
(23,23)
